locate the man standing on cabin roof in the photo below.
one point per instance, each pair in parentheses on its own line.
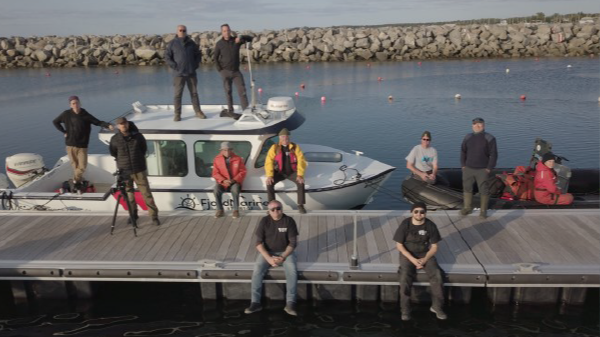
(184,57)
(229,172)
(422,160)
(417,241)
(227,60)
(276,239)
(286,161)
(478,156)
(77,128)
(128,146)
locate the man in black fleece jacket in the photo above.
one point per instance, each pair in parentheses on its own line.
(478,156)
(227,59)
(128,146)
(77,128)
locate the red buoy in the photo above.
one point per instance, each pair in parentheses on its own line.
(302,86)
(419,63)
(380,78)
(297,94)
(307,67)
(260,91)
(523,97)
(323,99)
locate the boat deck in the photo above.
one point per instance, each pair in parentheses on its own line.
(532,248)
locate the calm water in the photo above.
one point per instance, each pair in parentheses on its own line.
(125,310)
(561,107)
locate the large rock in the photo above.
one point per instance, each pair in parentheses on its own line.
(364,54)
(145,53)
(382,56)
(41,55)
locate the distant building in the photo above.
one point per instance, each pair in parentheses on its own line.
(586,19)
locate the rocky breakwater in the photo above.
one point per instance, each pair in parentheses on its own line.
(316,44)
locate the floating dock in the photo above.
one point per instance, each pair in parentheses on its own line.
(527,256)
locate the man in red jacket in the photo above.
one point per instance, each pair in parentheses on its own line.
(229,171)
(546,191)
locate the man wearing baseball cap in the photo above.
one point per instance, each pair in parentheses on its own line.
(77,128)
(229,172)
(478,156)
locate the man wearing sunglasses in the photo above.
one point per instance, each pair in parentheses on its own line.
(416,240)
(184,57)
(422,160)
(276,239)
(478,156)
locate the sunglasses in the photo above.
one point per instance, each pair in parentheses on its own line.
(183,30)
(419,212)
(275,209)
(426,139)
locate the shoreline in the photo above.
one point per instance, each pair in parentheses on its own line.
(391,43)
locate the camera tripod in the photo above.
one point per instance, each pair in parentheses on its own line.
(122,188)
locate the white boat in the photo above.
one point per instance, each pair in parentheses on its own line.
(180,156)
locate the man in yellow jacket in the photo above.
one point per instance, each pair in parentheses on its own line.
(286,161)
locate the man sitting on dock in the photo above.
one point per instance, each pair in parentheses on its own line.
(276,239)
(416,240)
(77,128)
(128,146)
(422,160)
(229,172)
(478,155)
(286,161)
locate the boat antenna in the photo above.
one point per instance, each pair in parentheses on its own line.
(253,99)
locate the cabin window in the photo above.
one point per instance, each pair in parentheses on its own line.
(323,157)
(206,150)
(262,156)
(167,158)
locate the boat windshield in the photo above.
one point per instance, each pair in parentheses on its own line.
(262,156)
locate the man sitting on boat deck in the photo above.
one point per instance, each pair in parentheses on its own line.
(229,172)
(128,146)
(286,161)
(546,191)
(478,155)
(276,239)
(77,128)
(183,56)
(416,240)
(422,160)
(227,60)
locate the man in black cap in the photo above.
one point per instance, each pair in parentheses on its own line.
(286,161)
(227,60)
(478,156)
(128,146)
(77,128)
(183,56)
(417,241)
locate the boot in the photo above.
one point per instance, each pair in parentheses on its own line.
(177,118)
(200,114)
(467,204)
(485,200)
(135,216)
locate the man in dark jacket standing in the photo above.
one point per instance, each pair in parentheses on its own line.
(128,147)
(478,156)
(184,57)
(227,59)
(77,128)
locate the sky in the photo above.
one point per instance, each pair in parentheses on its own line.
(110,17)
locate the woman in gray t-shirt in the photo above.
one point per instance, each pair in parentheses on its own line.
(422,160)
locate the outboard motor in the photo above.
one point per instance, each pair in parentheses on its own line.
(4,185)
(24,167)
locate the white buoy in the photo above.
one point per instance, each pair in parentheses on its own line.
(390,98)
(457,96)
(569,66)
(507,70)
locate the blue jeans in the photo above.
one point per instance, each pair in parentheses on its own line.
(291,276)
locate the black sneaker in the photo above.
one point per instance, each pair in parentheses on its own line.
(439,313)
(155,221)
(290,308)
(129,220)
(301,209)
(254,307)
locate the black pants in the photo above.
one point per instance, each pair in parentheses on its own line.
(408,273)
(236,78)
(280,177)
(179,82)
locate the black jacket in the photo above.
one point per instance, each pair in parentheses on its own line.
(478,151)
(77,126)
(227,53)
(129,151)
(183,56)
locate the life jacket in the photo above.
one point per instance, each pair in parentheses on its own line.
(279,157)
(519,184)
